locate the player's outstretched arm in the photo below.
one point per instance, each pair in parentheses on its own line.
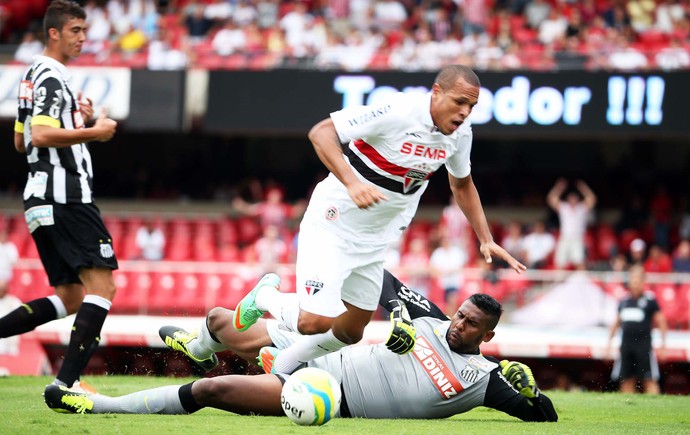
(513,390)
(416,304)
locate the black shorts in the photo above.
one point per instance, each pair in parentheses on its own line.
(639,362)
(69,237)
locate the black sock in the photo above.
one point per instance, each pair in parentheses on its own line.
(27,317)
(187,400)
(83,341)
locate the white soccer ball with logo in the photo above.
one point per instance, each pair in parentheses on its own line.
(311,397)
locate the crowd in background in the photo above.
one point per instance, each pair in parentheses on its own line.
(372,34)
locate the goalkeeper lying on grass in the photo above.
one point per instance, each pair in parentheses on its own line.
(430,367)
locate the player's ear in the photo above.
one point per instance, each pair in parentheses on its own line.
(488,336)
(53,33)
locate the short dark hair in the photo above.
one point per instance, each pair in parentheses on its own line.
(489,306)
(449,74)
(59,12)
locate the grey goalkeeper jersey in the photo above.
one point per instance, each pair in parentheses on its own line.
(430,382)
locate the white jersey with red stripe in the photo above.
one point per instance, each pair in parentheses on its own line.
(396,147)
(432,381)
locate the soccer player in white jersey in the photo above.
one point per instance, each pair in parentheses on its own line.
(367,200)
(74,245)
(446,374)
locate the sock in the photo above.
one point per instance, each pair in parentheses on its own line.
(206,344)
(306,349)
(84,338)
(282,306)
(162,400)
(30,315)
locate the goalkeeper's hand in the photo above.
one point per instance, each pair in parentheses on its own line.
(402,337)
(520,377)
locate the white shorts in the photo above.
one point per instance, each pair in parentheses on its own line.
(569,250)
(330,270)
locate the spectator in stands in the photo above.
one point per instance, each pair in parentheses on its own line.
(681,257)
(196,22)
(150,240)
(661,206)
(636,316)
(8,257)
(414,264)
(132,41)
(634,214)
(454,226)
(267,13)
(447,262)
(638,251)
(296,26)
(572,214)
(165,53)
(273,210)
(513,240)
(673,57)
(670,16)
(475,14)
(244,13)
(228,40)
(389,14)
(553,28)
(625,57)
(28,48)
(99,30)
(538,246)
(269,250)
(535,12)
(218,11)
(658,261)
(641,14)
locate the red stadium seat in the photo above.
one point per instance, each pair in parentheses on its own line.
(132,292)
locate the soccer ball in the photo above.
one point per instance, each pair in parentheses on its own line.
(311,397)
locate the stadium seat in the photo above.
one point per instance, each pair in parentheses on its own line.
(163,298)
(249,230)
(232,290)
(132,292)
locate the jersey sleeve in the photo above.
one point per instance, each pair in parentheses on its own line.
(416,304)
(458,164)
(48,103)
(360,122)
(500,395)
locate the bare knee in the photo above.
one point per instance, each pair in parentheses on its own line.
(217,319)
(206,392)
(310,324)
(71,295)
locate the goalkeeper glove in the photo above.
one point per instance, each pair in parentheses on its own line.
(520,377)
(402,337)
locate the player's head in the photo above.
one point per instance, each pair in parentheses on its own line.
(473,323)
(65,29)
(454,94)
(636,280)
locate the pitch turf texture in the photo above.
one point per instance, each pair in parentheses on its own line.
(23,412)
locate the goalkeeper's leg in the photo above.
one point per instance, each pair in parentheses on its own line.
(256,394)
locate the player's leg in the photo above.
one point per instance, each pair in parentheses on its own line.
(84,339)
(650,371)
(256,394)
(360,297)
(69,292)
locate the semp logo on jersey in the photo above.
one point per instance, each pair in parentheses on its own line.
(469,374)
(313,286)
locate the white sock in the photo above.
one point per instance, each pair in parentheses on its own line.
(282,306)
(307,348)
(205,345)
(59,306)
(163,400)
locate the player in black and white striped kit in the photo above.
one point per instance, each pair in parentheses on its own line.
(72,240)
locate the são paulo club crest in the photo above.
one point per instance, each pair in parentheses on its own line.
(313,286)
(415,176)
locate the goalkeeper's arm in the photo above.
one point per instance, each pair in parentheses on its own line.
(402,337)
(512,389)
(417,305)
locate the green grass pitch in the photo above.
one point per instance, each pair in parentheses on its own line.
(23,412)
